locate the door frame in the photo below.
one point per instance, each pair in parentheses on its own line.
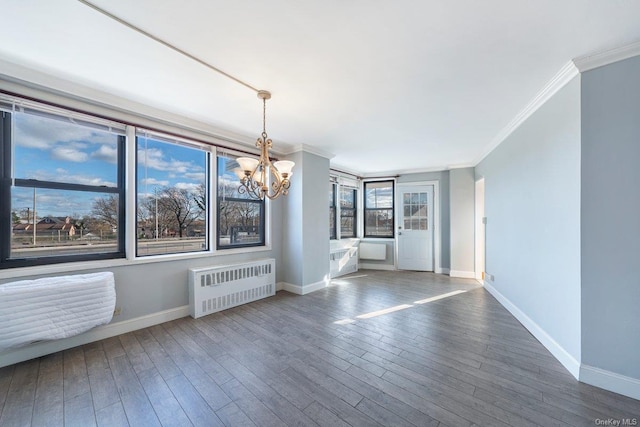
(436,222)
(480,230)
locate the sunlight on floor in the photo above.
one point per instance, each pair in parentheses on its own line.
(436,298)
(397,307)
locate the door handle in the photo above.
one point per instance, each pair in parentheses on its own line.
(399,233)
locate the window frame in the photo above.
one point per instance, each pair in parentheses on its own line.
(366,209)
(263,214)
(184,142)
(354,209)
(127,126)
(333,212)
(7,182)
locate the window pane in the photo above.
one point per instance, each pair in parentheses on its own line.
(241,219)
(347,223)
(62,189)
(347,198)
(54,150)
(378,201)
(332,223)
(379,222)
(66,222)
(379,194)
(240,222)
(171,197)
(332,211)
(332,194)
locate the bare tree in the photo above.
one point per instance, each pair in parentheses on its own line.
(200,197)
(106,210)
(182,206)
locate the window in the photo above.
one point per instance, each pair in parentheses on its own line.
(332,211)
(171,195)
(240,219)
(62,192)
(348,200)
(378,209)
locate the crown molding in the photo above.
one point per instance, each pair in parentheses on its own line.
(589,62)
(307,148)
(399,172)
(564,76)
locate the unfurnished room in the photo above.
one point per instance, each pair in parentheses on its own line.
(333,213)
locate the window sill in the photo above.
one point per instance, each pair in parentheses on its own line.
(79,266)
(379,239)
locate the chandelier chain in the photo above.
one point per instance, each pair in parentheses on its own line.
(264,118)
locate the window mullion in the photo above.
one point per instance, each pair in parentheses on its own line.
(131,161)
(5,185)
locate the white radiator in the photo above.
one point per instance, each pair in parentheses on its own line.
(217,288)
(54,307)
(376,251)
(343,261)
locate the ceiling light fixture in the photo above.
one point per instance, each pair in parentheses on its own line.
(261,178)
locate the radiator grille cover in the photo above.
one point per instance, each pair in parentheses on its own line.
(217,288)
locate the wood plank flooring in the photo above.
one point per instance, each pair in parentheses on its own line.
(375,348)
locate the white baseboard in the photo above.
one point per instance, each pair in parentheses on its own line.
(611,381)
(301,290)
(371,266)
(567,360)
(463,274)
(101,332)
(442,271)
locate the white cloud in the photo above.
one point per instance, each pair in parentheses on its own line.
(62,175)
(69,154)
(154,158)
(153,181)
(107,153)
(54,202)
(196,176)
(190,186)
(43,133)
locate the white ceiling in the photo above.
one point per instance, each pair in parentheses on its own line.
(383,85)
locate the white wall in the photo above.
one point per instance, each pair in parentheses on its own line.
(611,226)
(532,205)
(462,230)
(306,225)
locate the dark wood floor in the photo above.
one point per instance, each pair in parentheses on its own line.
(305,360)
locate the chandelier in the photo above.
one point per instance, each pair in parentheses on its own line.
(261,178)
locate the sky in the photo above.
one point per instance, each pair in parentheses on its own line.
(56,150)
(164,164)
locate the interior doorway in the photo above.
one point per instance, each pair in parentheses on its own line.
(480,231)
